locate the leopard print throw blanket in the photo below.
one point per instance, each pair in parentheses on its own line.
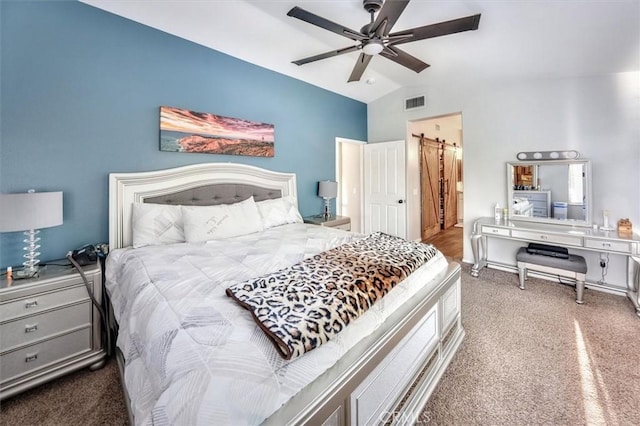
(307,304)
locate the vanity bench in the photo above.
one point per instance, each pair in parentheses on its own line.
(574,267)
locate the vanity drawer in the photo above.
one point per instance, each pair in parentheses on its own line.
(41,302)
(27,330)
(30,358)
(619,246)
(492,230)
(565,240)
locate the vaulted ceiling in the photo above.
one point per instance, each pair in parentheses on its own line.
(516,39)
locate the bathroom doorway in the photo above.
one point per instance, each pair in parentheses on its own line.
(440,147)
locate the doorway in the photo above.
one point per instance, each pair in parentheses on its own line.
(439,141)
(349,175)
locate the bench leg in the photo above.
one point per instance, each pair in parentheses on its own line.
(522,274)
(579,292)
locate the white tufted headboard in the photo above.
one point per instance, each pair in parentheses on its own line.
(198,184)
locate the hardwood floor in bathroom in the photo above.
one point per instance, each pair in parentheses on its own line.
(449,242)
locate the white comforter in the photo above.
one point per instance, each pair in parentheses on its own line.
(193,356)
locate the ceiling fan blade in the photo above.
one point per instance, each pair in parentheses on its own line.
(390,12)
(440,29)
(321,22)
(403,58)
(326,55)
(361,65)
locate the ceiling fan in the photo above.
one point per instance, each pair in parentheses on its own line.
(375,37)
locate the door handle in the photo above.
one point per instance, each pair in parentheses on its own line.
(400,201)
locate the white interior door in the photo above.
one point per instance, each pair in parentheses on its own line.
(385,207)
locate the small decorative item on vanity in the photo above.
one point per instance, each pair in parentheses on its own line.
(625,227)
(605,221)
(29,212)
(327,190)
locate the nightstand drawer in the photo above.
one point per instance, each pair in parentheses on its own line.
(620,246)
(41,302)
(338,222)
(345,227)
(24,331)
(34,357)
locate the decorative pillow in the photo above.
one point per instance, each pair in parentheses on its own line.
(155,224)
(204,223)
(279,211)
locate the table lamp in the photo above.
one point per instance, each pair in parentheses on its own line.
(29,212)
(327,190)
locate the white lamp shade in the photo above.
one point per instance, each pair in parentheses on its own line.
(327,189)
(30,210)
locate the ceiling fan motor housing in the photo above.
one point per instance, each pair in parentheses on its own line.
(372,6)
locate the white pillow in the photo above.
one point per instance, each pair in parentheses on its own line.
(155,224)
(204,223)
(279,211)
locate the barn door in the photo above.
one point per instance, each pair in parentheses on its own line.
(449,179)
(430,187)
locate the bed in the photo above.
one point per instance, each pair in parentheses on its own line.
(188,354)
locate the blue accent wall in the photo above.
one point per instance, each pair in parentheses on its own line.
(81,91)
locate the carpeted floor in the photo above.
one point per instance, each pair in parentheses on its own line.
(529,357)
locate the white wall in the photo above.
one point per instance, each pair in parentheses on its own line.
(599,116)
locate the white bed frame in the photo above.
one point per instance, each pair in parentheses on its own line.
(388,376)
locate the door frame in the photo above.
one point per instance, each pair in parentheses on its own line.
(338,174)
(414,175)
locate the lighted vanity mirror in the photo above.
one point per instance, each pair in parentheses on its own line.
(555,191)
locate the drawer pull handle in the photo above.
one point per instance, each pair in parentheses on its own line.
(31,304)
(30,328)
(606,245)
(31,358)
(543,237)
(495,231)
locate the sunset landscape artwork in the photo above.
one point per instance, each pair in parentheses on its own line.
(182,130)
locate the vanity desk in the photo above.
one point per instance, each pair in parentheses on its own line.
(561,235)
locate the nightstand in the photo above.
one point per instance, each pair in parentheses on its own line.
(338,222)
(49,327)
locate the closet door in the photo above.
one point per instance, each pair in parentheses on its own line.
(450,177)
(430,188)
(385,188)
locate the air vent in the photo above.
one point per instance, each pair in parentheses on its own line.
(414,103)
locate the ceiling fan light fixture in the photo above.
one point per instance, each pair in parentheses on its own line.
(373,47)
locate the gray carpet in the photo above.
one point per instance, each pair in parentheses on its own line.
(529,357)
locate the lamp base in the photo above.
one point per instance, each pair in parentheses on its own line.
(23,274)
(327,209)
